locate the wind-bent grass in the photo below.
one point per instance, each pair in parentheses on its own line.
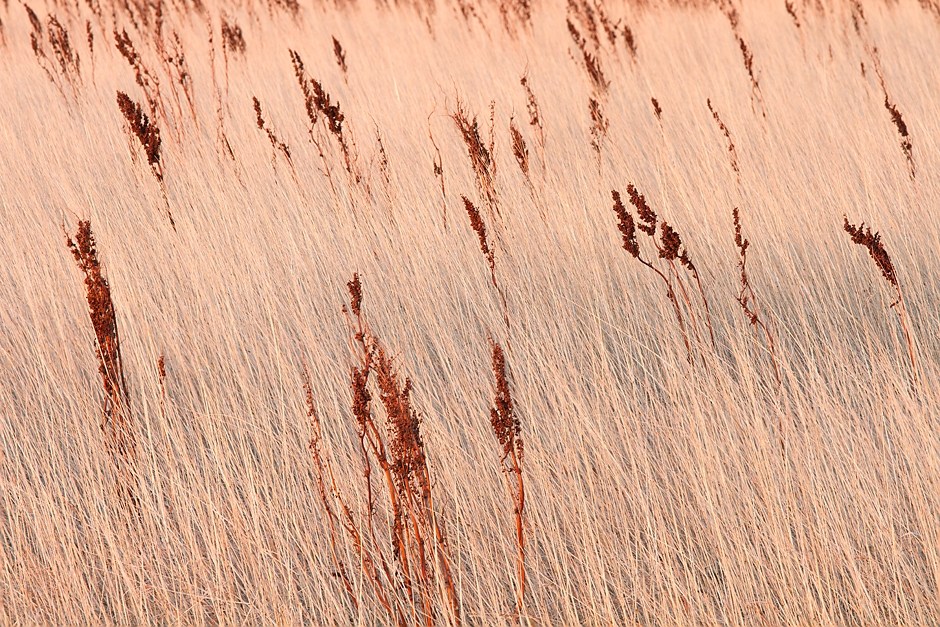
(657,491)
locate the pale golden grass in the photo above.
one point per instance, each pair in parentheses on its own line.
(657,491)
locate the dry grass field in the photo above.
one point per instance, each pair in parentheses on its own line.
(321,314)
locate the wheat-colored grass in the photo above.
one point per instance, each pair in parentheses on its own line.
(658,491)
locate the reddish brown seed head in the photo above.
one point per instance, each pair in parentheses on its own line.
(476,221)
(503,419)
(626,225)
(686,261)
(340,55)
(519,150)
(657,109)
(671,242)
(146,131)
(101,312)
(532,105)
(362,399)
(863,236)
(896,117)
(355,294)
(409,464)
(258,119)
(739,239)
(232,37)
(647,216)
(629,39)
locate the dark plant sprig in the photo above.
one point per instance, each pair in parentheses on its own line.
(746,297)
(647,216)
(340,55)
(519,149)
(657,109)
(317,102)
(535,116)
(732,151)
(670,251)
(592,63)
(479,227)
(746,55)
(629,40)
(145,129)
(147,132)
(627,227)
(599,126)
(233,40)
(791,9)
(37,37)
(276,144)
(178,69)
(508,431)
(66,56)
(147,80)
(907,147)
(481,158)
(116,423)
(863,236)
(419,544)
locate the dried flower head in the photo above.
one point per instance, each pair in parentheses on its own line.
(355,294)
(317,101)
(503,418)
(362,399)
(599,125)
(144,129)
(405,444)
(519,150)
(907,146)
(481,158)
(863,236)
(532,105)
(232,38)
(626,225)
(647,216)
(732,151)
(66,57)
(115,424)
(739,240)
(630,40)
(671,242)
(340,55)
(276,143)
(476,222)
